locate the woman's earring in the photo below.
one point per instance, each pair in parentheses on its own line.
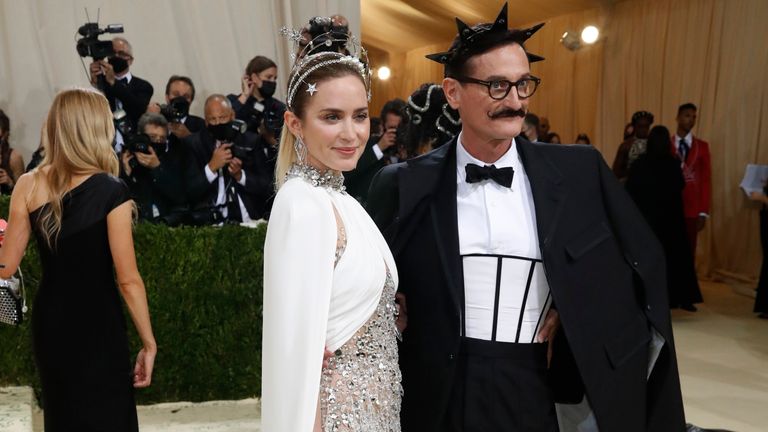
(301,151)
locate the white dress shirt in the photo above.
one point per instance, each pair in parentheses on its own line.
(221,198)
(119,140)
(688,139)
(499,245)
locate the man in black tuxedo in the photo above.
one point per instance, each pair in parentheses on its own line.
(123,90)
(498,241)
(375,155)
(180,93)
(226,169)
(154,174)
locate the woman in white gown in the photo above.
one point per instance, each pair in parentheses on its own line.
(329,277)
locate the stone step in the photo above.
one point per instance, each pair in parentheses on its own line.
(214,416)
(19,413)
(16,409)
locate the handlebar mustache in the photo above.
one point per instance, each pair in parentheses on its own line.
(506,112)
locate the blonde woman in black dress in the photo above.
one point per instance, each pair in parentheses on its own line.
(81,216)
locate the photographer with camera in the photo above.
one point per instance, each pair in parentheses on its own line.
(179,95)
(11,162)
(226,171)
(258,88)
(151,166)
(377,151)
(123,90)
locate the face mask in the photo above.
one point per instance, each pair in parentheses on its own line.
(159,147)
(119,64)
(267,88)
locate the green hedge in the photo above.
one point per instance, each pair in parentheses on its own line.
(205,299)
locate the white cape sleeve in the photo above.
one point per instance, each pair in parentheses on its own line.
(298,273)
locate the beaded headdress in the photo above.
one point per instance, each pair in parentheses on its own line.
(324,50)
(446,120)
(473,41)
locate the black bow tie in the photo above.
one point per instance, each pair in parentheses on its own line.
(502,176)
(123,81)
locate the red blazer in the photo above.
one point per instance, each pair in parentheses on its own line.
(697,172)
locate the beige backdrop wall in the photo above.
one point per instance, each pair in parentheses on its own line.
(655,55)
(210,41)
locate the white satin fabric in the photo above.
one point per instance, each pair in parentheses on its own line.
(308,304)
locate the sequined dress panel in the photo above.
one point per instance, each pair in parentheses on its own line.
(360,389)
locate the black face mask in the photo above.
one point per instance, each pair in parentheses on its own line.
(119,64)
(222,132)
(268,88)
(160,147)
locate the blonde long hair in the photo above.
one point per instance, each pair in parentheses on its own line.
(77,140)
(286,155)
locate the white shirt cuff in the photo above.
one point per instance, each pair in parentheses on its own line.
(706,215)
(242,177)
(377,151)
(210,175)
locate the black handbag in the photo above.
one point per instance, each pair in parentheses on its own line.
(13,303)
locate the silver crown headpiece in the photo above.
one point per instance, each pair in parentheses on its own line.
(322,51)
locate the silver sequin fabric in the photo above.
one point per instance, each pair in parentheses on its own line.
(331,180)
(360,389)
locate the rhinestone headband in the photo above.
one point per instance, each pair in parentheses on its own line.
(319,53)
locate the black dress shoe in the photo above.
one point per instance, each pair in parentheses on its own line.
(688,307)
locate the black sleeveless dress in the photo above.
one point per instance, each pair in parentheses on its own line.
(78,328)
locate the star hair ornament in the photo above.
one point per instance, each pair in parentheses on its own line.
(475,41)
(324,50)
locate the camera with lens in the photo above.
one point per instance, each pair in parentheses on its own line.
(269,111)
(228,132)
(234,129)
(122,122)
(243,153)
(175,110)
(274,113)
(137,143)
(89,44)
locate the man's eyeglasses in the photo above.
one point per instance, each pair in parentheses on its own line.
(499,89)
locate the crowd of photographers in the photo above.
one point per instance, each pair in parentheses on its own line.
(182,169)
(185,170)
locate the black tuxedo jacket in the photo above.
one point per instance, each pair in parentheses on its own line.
(258,186)
(358,181)
(162,186)
(604,266)
(135,97)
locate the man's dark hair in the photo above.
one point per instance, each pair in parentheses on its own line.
(686,106)
(185,79)
(5,122)
(584,137)
(658,143)
(641,115)
(394,106)
(375,124)
(533,120)
(153,119)
(259,64)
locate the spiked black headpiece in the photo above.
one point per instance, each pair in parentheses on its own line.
(475,41)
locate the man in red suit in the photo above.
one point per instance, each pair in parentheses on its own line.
(695,162)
